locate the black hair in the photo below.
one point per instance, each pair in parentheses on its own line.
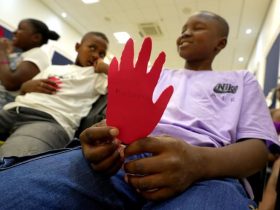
(96,33)
(42,28)
(224,27)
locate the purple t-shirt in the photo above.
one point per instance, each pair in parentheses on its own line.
(210,108)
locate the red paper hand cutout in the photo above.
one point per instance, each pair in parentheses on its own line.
(130,90)
(56,80)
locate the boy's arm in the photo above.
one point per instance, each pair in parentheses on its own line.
(239,160)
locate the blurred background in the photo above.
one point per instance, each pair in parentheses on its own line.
(253,40)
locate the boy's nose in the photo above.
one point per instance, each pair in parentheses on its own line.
(95,55)
(187,33)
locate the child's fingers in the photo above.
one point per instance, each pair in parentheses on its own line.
(98,135)
(98,153)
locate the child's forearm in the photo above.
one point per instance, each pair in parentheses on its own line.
(270,193)
(5,72)
(238,160)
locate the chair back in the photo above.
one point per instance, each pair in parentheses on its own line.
(96,114)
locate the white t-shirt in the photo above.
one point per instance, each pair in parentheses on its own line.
(80,88)
(35,55)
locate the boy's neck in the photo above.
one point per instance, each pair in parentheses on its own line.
(202,64)
(198,66)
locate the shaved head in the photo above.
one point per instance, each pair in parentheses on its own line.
(95,33)
(222,23)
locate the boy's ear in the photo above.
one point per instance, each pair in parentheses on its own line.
(77,46)
(221,44)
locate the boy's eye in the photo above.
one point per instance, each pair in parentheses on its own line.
(199,27)
(92,48)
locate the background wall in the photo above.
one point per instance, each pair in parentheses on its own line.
(13,11)
(267,37)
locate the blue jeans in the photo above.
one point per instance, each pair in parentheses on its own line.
(64,180)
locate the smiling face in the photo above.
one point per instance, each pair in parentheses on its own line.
(90,50)
(201,39)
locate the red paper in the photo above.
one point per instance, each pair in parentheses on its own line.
(1,32)
(130,91)
(56,80)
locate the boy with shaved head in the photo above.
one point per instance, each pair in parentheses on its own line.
(210,137)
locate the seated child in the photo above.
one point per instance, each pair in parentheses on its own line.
(39,122)
(19,66)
